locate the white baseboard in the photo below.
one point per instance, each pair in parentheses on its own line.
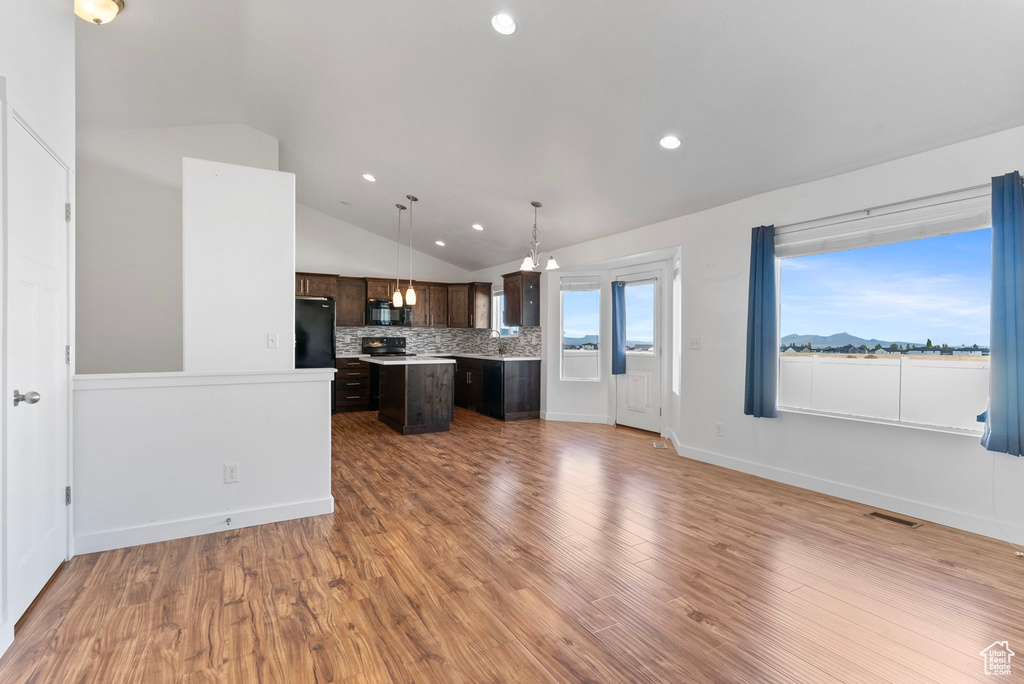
(576,418)
(191,527)
(916,509)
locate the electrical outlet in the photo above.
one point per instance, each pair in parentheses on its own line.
(230,473)
(694,343)
(719,430)
(271,341)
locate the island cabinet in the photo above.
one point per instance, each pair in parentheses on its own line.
(351,385)
(503,389)
(416,398)
(522,298)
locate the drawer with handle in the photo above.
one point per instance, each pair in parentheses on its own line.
(352,398)
(352,363)
(345,374)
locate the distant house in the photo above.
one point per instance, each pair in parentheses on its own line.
(934,351)
(971,351)
(571,346)
(852,349)
(792,349)
(640,347)
(886,350)
(588,346)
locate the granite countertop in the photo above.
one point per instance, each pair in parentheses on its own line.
(407,360)
(495,357)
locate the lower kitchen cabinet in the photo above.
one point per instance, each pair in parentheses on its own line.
(351,385)
(506,390)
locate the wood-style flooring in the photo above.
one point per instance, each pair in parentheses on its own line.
(535,552)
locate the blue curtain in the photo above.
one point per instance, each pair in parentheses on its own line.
(1004,425)
(762,328)
(618,327)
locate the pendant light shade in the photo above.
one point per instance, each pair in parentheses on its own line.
(98,11)
(410,294)
(396,298)
(527,264)
(552,264)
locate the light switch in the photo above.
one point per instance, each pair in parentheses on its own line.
(271,341)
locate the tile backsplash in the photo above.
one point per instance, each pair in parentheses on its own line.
(441,340)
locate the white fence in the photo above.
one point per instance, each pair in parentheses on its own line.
(580,364)
(914,389)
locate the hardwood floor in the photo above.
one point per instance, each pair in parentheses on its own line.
(535,552)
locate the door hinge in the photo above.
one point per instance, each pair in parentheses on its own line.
(67,495)
(67,211)
(67,354)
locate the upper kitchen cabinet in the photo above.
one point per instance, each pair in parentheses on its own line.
(379,288)
(437,305)
(522,299)
(314,285)
(458,305)
(480,306)
(350,301)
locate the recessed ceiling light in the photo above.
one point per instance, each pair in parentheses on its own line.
(369,177)
(477,226)
(503,24)
(439,243)
(670,142)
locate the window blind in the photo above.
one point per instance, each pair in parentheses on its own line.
(956,213)
(579,283)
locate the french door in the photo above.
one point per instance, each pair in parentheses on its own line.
(638,391)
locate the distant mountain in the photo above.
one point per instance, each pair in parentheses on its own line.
(581,340)
(841,340)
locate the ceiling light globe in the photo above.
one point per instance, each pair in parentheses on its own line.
(670,142)
(410,296)
(396,299)
(552,264)
(98,11)
(527,264)
(503,24)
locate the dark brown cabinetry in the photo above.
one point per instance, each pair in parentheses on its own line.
(416,399)
(431,308)
(522,298)
(458,306)
(352,385)
(480,306)
(314,285)
(506,390)
(350,301)
(379,288)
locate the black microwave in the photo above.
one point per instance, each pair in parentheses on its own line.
(383,312)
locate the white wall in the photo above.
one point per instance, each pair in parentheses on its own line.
(129,248)
(150,450)
(938,476)
(238,245)
(325,244)
(129,255)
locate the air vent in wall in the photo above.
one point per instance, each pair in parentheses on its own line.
(660,445)
(894,519)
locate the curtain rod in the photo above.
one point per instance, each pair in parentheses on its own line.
(868,211)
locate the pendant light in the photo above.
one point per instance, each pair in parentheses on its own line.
(98,11)
(396,298)
(410,294)
(532,260)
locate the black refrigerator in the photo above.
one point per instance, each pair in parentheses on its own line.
(314,334)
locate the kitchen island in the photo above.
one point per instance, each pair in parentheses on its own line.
(416,393)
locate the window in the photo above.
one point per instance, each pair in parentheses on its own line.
(640,317)
(581,328)
(498,316)
(896,331)
(677,329)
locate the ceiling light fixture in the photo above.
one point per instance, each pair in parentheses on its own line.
(532,259)
(410,294)
(369,177)
(503,24)
(98,11)
(670,142)
(477,226)
(396,298)
(439,243)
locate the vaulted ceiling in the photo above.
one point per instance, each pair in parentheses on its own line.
(568,110)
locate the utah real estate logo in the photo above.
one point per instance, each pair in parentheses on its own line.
(997,658)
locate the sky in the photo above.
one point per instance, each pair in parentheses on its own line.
(581,313)
(937,288)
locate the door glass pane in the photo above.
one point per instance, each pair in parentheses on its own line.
(640,318)
(581,328)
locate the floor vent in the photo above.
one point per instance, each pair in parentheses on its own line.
(894,519)
(660,445)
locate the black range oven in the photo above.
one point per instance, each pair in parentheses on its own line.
(382,312)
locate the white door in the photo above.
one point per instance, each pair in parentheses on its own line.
(638,392)
(36,331)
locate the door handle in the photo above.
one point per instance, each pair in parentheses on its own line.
(28,397)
